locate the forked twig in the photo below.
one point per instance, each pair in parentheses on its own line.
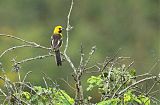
(68,29)
(136,83)
(27,42)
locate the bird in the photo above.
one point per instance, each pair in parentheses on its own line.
(56,43)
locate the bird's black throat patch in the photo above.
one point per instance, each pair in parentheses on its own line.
(60,31)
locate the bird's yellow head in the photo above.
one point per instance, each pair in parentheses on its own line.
(57,30)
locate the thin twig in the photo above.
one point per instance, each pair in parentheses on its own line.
(90,55)
(155,99)
(5,100)
(68,84)
(156,91)
(154,66)
(94,66)
(28,42)
(45,82)
(8,84)
(3,92)
(34,58)
(105,64)
(26,75)
(19,76)
(60,91)
(20,101)
(1,67)
(129,65)
(141,75)
(151,87)
(68,29)
(13,48)
(136,83)
(48,78)
(108,77)
(23,83)
(44,78)
(81,64)
(119,88)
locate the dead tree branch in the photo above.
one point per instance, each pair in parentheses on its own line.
(136,83)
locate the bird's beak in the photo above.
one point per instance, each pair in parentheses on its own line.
(62,28)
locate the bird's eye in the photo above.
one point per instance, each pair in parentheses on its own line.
(59,28)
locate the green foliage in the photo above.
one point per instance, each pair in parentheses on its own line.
(145,100)
(44,96)
(26,95)
(109,82)
(94,81)
(115,101)
(128,99)
(113,80)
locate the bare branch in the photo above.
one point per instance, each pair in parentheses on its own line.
(20,101)
(48,78)
(81,64)
(129,65)
(90,55)
(12,48)
(151,87)
(154,65)
(68,84)
(45,82)
(141,75)
(27,42)
(35,58)
(136,83)
(107,62)
(68,29)
(157,100)
(25,84)
(3,92)
(94,66)
(26,75)
(1,67)
(156,91)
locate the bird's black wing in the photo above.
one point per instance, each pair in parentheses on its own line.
(56,41)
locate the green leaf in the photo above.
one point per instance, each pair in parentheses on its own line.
(90,87)
(145,100)
(94,81)
(115,101)
(132,72)
(127,97)
(62,98)
(137,100)
(26,95)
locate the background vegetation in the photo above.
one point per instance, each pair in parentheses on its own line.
(132,25)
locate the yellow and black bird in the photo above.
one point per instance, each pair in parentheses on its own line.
(56,43)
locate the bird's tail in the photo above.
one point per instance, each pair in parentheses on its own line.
(58,58)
